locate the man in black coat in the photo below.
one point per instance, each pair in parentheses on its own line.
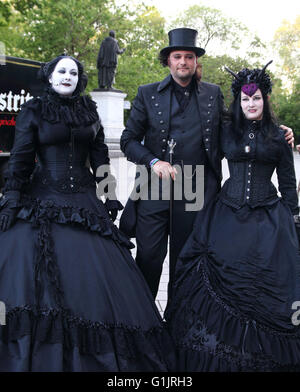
(191,112)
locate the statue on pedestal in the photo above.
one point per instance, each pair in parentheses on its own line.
(107,61)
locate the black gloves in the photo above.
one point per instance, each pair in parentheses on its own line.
(9,208)
(112,207)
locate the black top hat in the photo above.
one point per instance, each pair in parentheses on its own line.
(183,39)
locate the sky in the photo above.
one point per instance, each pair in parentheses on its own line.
(261,16)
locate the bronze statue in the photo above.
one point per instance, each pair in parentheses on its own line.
(107,61)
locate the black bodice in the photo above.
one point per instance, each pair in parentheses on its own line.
(57,148)
(252,160)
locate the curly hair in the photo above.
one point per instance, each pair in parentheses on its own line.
(163,58)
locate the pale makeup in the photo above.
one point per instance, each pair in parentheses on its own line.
(182,64)
(64,77)
(253,106)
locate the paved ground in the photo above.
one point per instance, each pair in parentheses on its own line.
(125,172)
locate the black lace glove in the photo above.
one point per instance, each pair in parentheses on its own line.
(9,206)
(112,207)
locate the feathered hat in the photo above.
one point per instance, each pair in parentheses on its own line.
(249,81)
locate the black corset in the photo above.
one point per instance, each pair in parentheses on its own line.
(249,183)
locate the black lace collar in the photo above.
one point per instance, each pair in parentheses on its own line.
(75,110)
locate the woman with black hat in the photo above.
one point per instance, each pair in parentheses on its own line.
(237,285)
(74,298)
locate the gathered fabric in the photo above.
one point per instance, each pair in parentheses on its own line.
(74,297)
(238,275)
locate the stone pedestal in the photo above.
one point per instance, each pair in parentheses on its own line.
(110,106)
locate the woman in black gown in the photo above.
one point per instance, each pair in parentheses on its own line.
(75,300)
(238,276)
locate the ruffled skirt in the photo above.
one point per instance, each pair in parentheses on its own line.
(74,298)
(236,283)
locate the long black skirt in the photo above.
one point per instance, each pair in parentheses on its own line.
(237,280)
(74,298)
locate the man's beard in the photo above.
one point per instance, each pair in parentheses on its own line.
(184,78)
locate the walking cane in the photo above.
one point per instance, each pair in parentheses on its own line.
(171,144)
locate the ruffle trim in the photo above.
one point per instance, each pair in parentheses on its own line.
(60,326)
(236,205)
(39,211)
(74,111)
(227,335)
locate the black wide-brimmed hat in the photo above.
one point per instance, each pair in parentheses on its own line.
(183,39)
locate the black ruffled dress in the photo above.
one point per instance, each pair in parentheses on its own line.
(239,273)
(75,300)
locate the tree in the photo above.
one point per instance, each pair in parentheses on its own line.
(287,43)
(42,29)
(5,13)
(287,108)
(287,100)
(217,32)
(144,40)
(50,28)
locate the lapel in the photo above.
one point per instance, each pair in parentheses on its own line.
(201,96)
(164,94)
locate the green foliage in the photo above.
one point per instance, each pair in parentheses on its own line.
(287,108)
(287,42)
(46,28)
(218,34)
(54,27)
(42,29)
(211,25)
(287,101)
(140,65)
(5,13)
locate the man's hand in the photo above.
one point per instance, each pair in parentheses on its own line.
(289,135)
(164,169)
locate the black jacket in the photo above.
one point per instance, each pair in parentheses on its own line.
(251,172)
(150,118)
(146,134)
(47,129)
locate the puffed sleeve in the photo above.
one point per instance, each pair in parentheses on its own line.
(98,150)
(100,164)
(22,158)
(286,176)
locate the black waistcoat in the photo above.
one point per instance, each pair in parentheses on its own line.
(185,129)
